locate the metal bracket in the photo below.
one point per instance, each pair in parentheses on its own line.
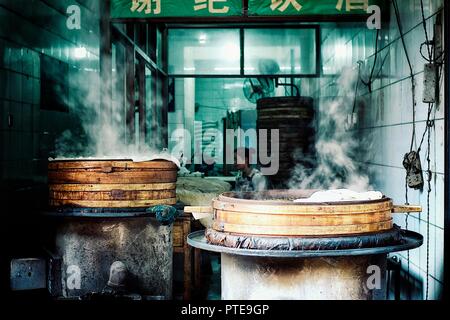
(394,264)
(430,83)
(54,274)
(37,273)
(28,274)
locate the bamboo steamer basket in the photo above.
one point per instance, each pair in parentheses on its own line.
(111,183)
(294,118)
(273,213)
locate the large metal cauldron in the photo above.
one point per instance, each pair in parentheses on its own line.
(99,211)
(278,249)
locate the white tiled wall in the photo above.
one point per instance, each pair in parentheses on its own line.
(388,119)
(24,38)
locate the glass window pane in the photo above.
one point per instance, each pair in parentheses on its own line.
(279,51)
(204,51)
(148,104)
(119,101)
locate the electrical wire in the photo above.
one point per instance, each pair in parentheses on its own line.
(429,177)
(413,136)
(429,126)
(408,273)
(369,83)
(413,80)
(356,87)
(427,41)
(382,64)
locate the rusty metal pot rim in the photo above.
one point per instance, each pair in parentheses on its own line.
(257,198)
(74,212)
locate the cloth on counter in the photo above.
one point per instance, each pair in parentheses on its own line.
(340,195)
(196,191)
(163,155)
(183,172)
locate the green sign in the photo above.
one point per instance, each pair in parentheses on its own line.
(225,8)
(308,7)
(175,8)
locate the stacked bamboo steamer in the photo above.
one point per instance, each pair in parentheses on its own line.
(293,117)
(111,183)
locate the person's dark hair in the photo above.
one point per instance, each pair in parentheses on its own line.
(247,153)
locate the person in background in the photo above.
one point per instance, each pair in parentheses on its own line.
(249,178)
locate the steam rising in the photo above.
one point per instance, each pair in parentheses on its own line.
(336,146)
(98,133)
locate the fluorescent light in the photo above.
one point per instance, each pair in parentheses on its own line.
(226,69)
(341,50)
(229,86)
(80,53)
(289,68)
(202,38)
(232,50)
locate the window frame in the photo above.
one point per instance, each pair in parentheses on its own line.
(241,28)
(137,59)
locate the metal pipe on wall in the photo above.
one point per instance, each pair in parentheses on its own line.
(105,56)
(447,149)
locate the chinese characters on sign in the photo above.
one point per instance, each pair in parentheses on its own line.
(225,8)
(209,4)
(353,5)
(283,5)
(139,5)
(310,7)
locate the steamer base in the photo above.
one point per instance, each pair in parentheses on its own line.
(343,274)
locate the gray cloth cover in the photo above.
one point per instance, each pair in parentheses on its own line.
(380,239)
